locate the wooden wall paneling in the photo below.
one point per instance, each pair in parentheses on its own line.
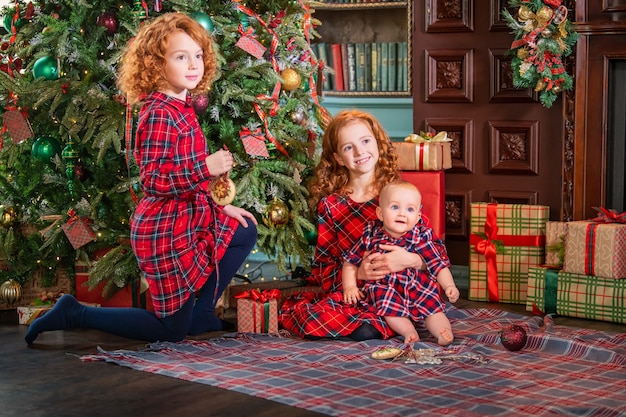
(514,147)
(449,16)
(457,213)
(449,76)
(501,87)
(513,197)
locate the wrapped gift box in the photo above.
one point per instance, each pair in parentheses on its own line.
(78,231)
(598,249)
(425,156)
(129,296)
(555,243)
(287,289)
(505,240)
(27,314)
(257,316)
(432,185)
(564,293)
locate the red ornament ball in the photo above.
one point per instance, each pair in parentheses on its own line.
(200,103)
(109,21)
(513,337)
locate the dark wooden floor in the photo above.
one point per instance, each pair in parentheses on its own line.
(49,380)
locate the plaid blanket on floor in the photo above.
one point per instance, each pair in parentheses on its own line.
(561,371)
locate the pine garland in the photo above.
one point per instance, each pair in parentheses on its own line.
(543,37)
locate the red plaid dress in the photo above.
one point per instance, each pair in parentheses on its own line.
(177,232)
(340,225)
(409,293)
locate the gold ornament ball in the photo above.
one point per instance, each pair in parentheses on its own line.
(10,216)
(524,13)
(291,79)
(276,214)
(544,14)
(546,33)
(10,292)
(522,53)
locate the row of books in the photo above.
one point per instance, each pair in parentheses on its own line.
(367,67)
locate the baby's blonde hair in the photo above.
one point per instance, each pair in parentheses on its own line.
(398,184)
(142,64)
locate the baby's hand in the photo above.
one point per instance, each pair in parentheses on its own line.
(351,295)
(453,294)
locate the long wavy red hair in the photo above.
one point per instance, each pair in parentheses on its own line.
(330,177)
(143,62)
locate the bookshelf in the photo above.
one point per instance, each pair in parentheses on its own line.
(368,45)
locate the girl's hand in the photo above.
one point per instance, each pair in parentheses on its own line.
(453,294)
(219,162)
(239,214)
(394,260)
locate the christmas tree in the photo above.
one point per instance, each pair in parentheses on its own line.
(68,182)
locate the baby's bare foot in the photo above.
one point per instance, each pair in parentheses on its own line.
(445,337)
(411,337)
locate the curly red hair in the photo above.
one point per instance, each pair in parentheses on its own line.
(143,61)
(330,177)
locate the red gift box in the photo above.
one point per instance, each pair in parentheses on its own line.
(129,296)
(432,185)
(257,311)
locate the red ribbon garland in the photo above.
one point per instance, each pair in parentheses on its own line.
(487,247)
(261,297)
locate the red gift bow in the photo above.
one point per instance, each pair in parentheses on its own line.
(609,216)
(262,297)
(486,246)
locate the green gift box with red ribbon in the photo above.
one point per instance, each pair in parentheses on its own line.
(554,291)
(257,311)
(598,246)
(505,241)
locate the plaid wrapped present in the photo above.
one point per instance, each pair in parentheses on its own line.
(553,291)
(598,246)
(287,289)
(505,240)
(257,311)
(78,230)
(555,243)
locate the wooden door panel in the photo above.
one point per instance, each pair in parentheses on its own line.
(506,146)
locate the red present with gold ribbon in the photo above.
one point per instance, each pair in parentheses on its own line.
(257,311)
(598,246)
(505,240)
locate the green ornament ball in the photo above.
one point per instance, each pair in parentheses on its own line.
(204,20)
(311,236)
(46,67)
(45,148)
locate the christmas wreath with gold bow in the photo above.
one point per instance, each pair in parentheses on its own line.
(543,37)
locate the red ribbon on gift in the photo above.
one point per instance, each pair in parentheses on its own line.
(609,216)
(487,246)
(263,297)
(605,216)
